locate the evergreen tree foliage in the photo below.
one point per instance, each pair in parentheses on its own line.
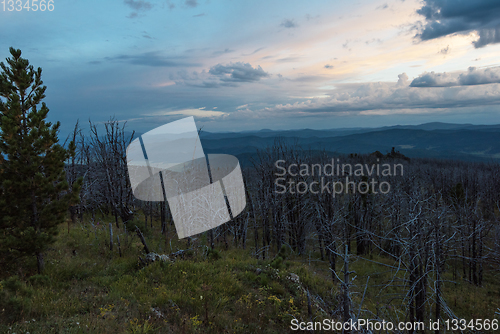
(34,193)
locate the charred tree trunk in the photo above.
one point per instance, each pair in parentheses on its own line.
(139,234)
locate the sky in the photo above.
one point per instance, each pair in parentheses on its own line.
(251,65)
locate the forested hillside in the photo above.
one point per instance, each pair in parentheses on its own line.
(426,247)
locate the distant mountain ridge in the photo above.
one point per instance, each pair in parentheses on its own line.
(430,140)
(438,140)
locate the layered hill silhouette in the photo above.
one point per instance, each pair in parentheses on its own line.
(430,140)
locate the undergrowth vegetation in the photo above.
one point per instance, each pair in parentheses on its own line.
(88,288)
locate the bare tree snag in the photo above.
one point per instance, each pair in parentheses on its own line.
(139,234)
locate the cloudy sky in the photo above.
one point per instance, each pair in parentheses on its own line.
(247,65)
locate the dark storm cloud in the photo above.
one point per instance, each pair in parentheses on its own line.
(488,36)
(238,72)
(287,23)
(472,77)
(153,59)
(445,17)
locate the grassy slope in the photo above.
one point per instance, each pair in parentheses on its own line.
(86,288)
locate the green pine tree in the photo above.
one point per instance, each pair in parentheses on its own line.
(34,193)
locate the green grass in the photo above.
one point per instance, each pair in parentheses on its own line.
(86,288)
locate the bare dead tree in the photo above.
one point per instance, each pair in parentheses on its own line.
(108,155)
